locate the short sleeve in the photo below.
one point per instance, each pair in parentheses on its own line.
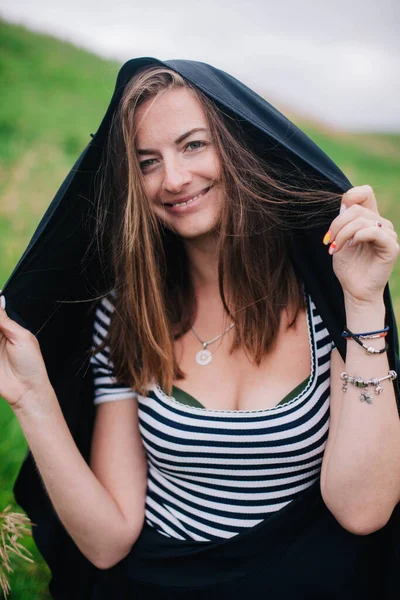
(106,386)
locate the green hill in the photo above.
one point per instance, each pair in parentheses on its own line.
(53,96)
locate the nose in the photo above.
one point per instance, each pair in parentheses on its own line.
(176,176)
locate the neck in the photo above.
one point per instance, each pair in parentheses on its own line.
(211,317)
(203,264)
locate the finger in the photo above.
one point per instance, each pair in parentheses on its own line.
(381,239)
(376,235)
(6,327)
(346,233)
(354,213)
(358,210)
(364,202)
(11,330)
(362,194)
(385,222)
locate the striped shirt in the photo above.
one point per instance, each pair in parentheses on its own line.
(214,473)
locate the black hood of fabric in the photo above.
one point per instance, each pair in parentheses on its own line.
(51,290)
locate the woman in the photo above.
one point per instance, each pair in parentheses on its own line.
(215,215)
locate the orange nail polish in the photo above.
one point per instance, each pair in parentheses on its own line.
(332,248)
(327,237)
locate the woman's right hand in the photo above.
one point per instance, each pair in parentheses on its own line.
(22,368)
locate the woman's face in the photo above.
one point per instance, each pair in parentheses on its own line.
(179,163)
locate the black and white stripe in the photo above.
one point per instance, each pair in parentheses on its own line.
(214,473)
(106,387)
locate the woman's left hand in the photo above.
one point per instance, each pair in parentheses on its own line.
(364,267)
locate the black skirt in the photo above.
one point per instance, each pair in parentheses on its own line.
(300,552)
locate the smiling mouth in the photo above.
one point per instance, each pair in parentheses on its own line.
(191,199)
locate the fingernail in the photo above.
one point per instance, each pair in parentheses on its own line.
(332,248)
(327,237)
(2,301)
(342,209)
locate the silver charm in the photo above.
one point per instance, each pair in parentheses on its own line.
(203,357)
(360,382)
(365,397)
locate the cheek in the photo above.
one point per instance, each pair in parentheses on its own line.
(215,165)
(150,187)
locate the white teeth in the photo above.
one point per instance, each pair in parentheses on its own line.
(184,203)
(191,200)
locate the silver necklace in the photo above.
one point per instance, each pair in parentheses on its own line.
(204,356)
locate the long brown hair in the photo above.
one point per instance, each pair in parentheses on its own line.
(154,299)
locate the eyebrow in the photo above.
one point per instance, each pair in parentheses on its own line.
(177,141)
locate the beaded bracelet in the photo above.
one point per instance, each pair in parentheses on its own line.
(369,349)
(366,337)
(367,334)
(360,382)
(372,337)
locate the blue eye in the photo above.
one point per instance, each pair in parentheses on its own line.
(191,146)
(147,163)
(196,147)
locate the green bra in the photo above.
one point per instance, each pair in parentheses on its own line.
(186,398)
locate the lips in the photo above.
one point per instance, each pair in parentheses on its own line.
(188,198)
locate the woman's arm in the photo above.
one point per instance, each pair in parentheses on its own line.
(360,479)
(103,514)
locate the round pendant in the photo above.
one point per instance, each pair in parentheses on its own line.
(203,357)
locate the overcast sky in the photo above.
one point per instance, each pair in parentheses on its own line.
(336,61)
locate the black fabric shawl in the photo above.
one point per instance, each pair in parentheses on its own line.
(300,551)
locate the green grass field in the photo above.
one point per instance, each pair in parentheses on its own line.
(53,96)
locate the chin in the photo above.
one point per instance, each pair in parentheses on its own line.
(194,233)
(199,236)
